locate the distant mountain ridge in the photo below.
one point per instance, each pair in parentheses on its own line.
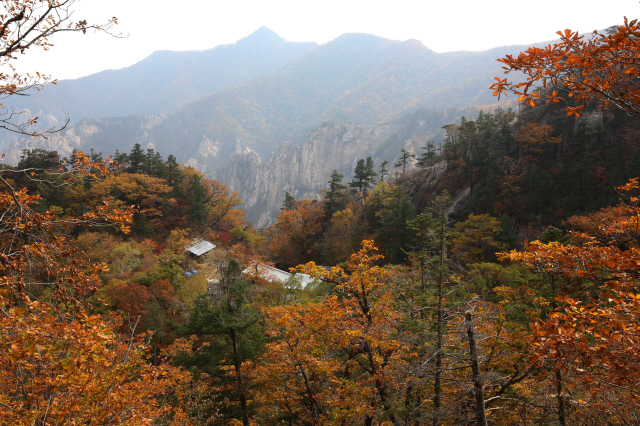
(357,77)
(164,81)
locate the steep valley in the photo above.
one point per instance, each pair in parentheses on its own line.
(267,116)
(303,170)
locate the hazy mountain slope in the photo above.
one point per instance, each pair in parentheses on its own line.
(165,80)
(356,77)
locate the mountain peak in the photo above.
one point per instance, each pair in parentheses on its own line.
(262,35)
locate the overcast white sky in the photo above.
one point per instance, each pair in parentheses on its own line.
(202,24)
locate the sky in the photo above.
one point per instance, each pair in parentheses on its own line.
(441,25)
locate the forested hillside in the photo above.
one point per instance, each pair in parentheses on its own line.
(302,170)
(489,280)
(528,170)
(400,242)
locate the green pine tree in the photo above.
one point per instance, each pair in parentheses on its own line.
(432,232)
(404,159)
(289,202)
(122,159)
(141,226)
(231,326)
(197,198)
(136,159)
(334,198)
(173,174)
(363,176)
(383,170)
(158,168)
(553,234)
(428,155)
(148,166)
(393,209)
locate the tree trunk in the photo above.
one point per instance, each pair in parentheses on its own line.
(481,418)
(437,398)
(561,414)
(558,374)
(236,365)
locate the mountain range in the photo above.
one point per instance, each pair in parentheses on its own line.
(256,94)
(165,80)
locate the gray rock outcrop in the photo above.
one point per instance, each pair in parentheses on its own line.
(303,170)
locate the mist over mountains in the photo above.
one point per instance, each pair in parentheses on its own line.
(165,80)
(258,93)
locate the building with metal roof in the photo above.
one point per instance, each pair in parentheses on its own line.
(200,247)
(274,274)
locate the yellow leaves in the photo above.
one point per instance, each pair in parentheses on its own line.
(322,341)
(49,350)
(541,301)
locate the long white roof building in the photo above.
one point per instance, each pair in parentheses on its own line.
(270,273)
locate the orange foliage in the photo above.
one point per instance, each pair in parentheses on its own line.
(144,192)
(334,363)
(594,332)
(617,225)
(164,293)
(59,370)
(341,235)
(130,298)
(600,68)
(297,231)
(533,138)
(29,253)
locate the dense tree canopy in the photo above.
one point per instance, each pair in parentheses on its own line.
(109,316)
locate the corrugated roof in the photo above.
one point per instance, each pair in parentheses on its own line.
(270,273)
(200,247)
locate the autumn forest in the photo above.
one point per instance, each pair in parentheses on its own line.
(487,279)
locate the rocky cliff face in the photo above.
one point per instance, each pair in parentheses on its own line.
(300,169)
(303,170)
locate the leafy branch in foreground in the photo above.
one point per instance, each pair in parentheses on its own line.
(25,24)
(600,68)
(592,332)
(60,369)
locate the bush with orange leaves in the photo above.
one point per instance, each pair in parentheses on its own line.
(593,334)
(58,364)
(29,249)
(63,370)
